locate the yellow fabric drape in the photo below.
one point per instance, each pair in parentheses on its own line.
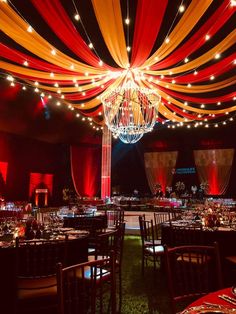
(108,14)
(16,28)
(199,88)
(227,42)
(43,75)
(190,108)
(190,18)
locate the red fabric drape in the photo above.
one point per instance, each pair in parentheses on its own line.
(214,167)
(3,170)
(56,17)
(147,24)
(217,69)
(210,27)
(85,169)
(40,178)
(19,57)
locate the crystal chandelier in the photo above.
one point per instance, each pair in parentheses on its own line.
(130,111)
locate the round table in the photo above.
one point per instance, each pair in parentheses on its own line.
(213,297)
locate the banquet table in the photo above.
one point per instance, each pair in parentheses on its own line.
(86,221)
(225,237)
(213,298)
(77,252)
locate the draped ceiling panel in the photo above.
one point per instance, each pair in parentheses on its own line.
(187,54)
(159,168)
(214,167)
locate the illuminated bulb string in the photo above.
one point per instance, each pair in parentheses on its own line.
(91,46)
(24,85)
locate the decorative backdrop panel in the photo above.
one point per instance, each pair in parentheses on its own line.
(214,167)
(159,168)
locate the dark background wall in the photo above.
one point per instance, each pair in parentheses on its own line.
(25,156)
(128,160)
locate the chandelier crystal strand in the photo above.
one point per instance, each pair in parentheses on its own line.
(130,111)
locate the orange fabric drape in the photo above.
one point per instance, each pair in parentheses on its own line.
(214,166)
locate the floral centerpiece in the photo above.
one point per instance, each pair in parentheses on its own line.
(204,186)
(179,187)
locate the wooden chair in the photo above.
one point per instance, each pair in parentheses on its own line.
(36,274)
(186,235)
(87,288)
(151,249)
(107,242)
(159,219)
(114,218)
(192,272)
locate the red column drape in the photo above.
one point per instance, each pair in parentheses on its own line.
(85,169)
(3,170)
(214,167)
(40,178)
(159,168)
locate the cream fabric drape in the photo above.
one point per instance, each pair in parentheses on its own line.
(159,168)
(214,166)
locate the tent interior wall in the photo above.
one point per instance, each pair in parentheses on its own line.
(25,155)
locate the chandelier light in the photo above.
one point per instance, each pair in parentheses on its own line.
(130,111)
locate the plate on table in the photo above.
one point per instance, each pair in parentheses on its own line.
(209,309)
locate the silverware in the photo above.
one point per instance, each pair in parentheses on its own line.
(227,298)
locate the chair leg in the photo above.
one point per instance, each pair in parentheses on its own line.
(120,291)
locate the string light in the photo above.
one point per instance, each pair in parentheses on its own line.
(53,52)
(25,63)
(77,17)
(207,37)
(29,29)
(217,56)
(181,8)
(90,45)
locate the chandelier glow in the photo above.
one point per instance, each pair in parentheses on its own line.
(130,111)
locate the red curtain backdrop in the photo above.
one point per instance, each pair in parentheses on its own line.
(85,169)
(40,178)
(3,170)
(159,168)
(214,167)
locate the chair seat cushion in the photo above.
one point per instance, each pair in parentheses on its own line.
(157,249)
(156,242)
(28,288)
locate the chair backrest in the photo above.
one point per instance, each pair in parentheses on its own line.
(186,235)
(115,217)
(39,258)
(159,219)
(192,271)
(146,230)
(105,243)
(87,288)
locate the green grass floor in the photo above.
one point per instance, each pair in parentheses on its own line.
(142,294)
